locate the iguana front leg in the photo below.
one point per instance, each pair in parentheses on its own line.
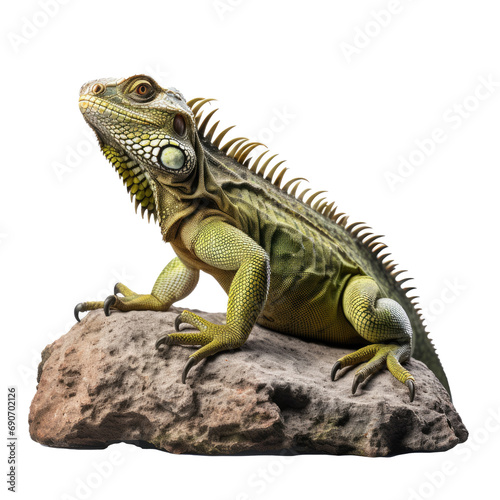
(175,282)
(381,321)
(226,250)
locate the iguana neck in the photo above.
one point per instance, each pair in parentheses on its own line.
(177,201)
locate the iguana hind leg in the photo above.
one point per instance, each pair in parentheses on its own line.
(381,321)
(175,282)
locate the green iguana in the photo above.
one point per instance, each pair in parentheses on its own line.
(287,262)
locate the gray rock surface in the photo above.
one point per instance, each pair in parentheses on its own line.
(104,382)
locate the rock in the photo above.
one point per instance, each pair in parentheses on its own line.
(104,382)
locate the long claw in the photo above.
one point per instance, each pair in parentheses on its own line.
(108,303)
(177,323)
(78,310)
(191,362)
(164,339)
(411,387)
(115,289)
(335,369)
(358,378)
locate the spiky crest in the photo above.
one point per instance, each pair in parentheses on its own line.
(135,179)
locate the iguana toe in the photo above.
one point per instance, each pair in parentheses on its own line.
(78,309)
(86,306)
(191,319)
(411,388)
(190,363)
(163,340)
(108,302)
(124,290)
(178,322)
(335,368)
(358,378)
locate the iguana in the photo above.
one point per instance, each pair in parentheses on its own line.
(287,261)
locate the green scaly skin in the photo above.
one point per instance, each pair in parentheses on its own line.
(289,263)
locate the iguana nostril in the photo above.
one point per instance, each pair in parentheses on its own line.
(98,88)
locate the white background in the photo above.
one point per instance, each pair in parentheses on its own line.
(355,105)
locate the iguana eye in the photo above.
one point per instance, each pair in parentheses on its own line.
(142,89)
(179,124)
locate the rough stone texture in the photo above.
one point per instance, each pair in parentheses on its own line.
(104,382)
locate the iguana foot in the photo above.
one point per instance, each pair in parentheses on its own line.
(175,282)
(378,356)
(128,301)
(382,322)
(213,338)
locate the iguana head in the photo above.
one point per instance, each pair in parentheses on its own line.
(148,124)
(149,134)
